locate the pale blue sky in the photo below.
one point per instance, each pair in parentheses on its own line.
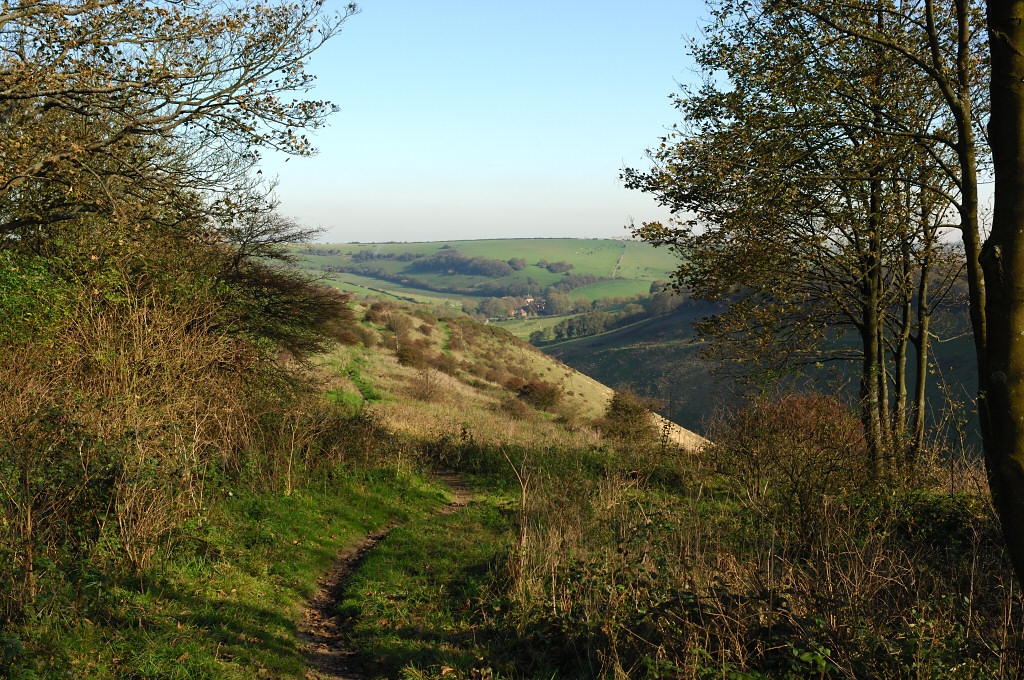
(484,119)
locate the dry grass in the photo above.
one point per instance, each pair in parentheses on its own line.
(499,357)
(715,578)
(421,402)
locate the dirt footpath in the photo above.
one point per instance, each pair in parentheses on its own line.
(322,633)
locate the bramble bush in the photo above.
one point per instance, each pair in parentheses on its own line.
(628,418)
(792,454)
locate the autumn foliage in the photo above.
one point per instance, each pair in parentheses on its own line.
(149,334)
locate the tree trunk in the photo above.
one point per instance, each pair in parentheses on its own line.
(1001,373)
(884,417)
(899,420)
(924,317)
(869,386)
(873,400)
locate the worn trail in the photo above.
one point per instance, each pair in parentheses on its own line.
(328,655)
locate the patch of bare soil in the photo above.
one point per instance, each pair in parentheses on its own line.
(322,630)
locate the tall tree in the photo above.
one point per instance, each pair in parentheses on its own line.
(801,200)
(942,42)
(121,119)
(1001,374)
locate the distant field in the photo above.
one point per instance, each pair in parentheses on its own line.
(647,262)
(617,288)
(522,328)
(593,256)
(366,286)
(628,266)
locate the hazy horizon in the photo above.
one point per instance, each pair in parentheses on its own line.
(461,120)
(482,238)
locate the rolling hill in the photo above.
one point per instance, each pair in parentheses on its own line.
(589,268)
(655,357)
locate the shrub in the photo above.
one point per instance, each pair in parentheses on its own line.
(628,418)
(792,453)
(399,324)
(348,336)
(445,364)
(540,394)
(379,312)
(425,316)
(367,336)
(426,386)
(514,408)
(514,383)
(569,416)
(473,368)
(496,376)
(411,355)
(455,341)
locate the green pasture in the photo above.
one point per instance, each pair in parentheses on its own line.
(631,261)
(521,328)
(642,261)
(616,288)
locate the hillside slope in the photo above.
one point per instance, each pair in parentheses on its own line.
(448,374)
(582,551)
(226,580)
(657,358)
(583,558)
(660,358)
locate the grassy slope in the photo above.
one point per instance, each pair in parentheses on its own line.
(614,544)
(655,358)
(652,564)
(224,596)
(487,351)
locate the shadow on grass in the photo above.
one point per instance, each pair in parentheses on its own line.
(479,642)
(190,635)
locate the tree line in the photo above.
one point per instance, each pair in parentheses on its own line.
(820,174)
(823,174)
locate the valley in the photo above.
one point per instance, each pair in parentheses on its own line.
(626,332)
(597,541)
(772,435)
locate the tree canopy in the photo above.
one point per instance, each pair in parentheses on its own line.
(810,173)
(142,110)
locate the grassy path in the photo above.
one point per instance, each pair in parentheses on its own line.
(324,630)
(226,593)
(618,262)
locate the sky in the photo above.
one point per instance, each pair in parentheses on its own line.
(487,119)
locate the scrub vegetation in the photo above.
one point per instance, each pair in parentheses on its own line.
(192,429)
(598,543)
